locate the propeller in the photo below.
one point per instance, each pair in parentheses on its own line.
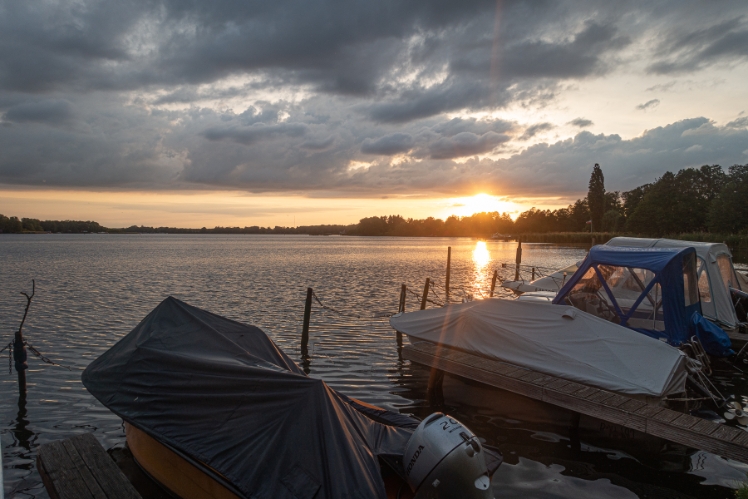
(735,411)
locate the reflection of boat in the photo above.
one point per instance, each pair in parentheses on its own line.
(214,408)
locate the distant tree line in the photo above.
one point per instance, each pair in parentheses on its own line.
(16,225)
(693,200)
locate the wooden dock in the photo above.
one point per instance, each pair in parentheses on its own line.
(80,468)
(631,413)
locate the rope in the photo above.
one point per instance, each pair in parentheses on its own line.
(43,358)
(420,297)
(343,314)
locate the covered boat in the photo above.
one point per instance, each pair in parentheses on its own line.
(213,408)
(650,290)
(715,273)
(554,339)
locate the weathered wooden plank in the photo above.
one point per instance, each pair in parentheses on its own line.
(62,480)
(77,462)
(558,383)
(103,468)
(79,468)
(600,396)
(608,406)
(649,410)
(705,427)
(631,405)
(685,421)
(615,401)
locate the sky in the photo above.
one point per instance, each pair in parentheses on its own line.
(298,112)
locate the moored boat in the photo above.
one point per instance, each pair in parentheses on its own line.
(213,408)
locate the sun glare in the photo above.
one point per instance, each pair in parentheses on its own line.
(466,206)
(481,256)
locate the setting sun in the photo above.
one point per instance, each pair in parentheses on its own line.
(466,206)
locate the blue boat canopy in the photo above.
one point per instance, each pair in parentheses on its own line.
(651,290)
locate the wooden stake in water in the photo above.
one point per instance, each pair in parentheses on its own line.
(533,274)
(425,293)
(403,292)
(493,281)
(307,315)
(449,264)
(518,260)
(19,348)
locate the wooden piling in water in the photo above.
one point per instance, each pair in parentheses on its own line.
(493,282)
(533,274)
(449,264)
(19,346)
(425,293)
(403,293)
(518,260)
(307,315)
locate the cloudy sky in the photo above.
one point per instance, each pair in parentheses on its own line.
(237,112)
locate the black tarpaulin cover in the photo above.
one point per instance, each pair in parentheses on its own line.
(222,393)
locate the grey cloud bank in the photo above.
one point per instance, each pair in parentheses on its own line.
(286,97)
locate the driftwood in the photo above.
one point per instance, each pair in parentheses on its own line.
(19,346)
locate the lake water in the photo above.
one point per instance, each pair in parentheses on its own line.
(93,289)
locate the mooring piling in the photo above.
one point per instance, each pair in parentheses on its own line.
(403,294)
(307,315)
(19,346)
(518,260)
(425,293)
(493,282)
(533,274)
(449,265)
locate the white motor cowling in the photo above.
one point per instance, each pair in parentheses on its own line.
(443,460)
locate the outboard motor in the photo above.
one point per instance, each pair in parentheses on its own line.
(444,460)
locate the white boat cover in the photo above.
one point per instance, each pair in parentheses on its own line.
(553,282)
(716,274)
(554,339)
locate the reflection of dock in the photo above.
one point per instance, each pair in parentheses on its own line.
(631,413)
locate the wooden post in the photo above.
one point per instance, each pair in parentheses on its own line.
(493,282)
(19,348)
(449,264)
(434,392)
(533,274)
(305,328)
(401,309)
(518,260)
(19,355)
(425,293)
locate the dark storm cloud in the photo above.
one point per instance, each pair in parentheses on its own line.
(465,144)
(581,122)
(49,111)
(697,48)
(296,95)
(389,145)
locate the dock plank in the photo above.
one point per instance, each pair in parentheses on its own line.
(80,468)
(626,411)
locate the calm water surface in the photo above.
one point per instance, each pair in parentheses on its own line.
(93,289)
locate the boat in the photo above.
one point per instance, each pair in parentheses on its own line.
(723,291)
(616,324)
(551,283)
(214,409)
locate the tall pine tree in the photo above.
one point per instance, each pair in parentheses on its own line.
(596,198)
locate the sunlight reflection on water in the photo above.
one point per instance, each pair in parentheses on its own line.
(92,290)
